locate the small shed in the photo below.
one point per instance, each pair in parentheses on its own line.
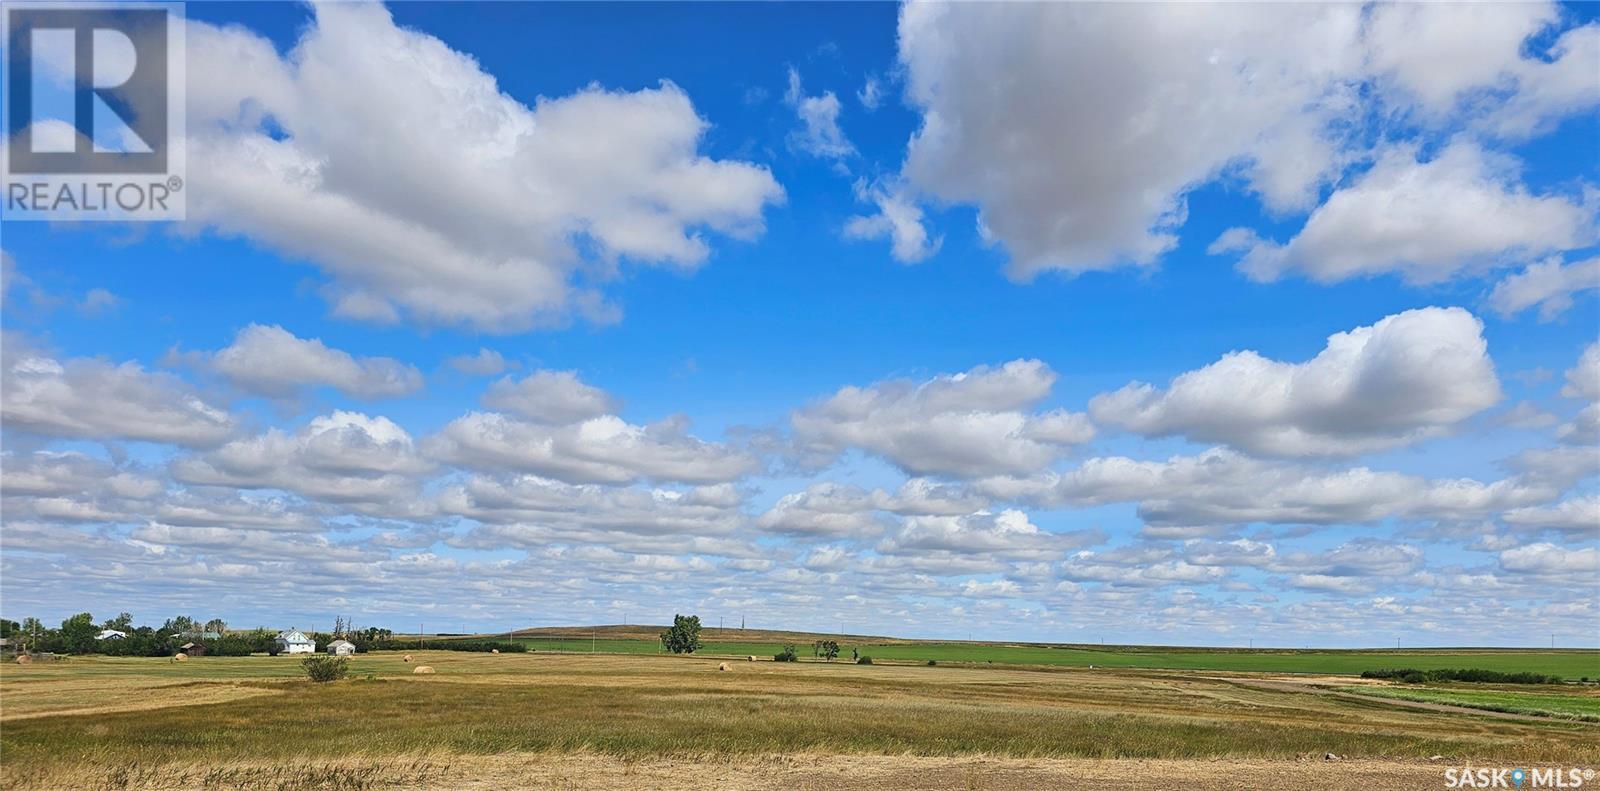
(341,648)
(193,649)
(295,641)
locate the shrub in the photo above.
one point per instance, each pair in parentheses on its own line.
(326,668)
(230,645)
(932,662)
(864,660)
(1473,675)
(786,655)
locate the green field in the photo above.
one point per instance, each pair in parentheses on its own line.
(1566,664)
(1578,707)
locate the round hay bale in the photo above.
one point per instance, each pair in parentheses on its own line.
(723,667)
(423,670)
(494,650)
(24,659)
(408,659)
(180,657)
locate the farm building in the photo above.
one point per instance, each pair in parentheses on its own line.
(110,634)
(341,648)
(193,649)
(295,641)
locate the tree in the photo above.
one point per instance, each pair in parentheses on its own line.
(33,630)
(122,623)
(182,624)
(216,625)
(828,649)
(684,636)
(9,628)
(78,633)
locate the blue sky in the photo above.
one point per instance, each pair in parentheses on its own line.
(658,213)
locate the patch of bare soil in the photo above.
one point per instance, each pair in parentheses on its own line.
(801,772)
(1294,686)
(882,773)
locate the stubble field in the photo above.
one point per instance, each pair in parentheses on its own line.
(595,721)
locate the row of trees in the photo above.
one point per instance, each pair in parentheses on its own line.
(78,635)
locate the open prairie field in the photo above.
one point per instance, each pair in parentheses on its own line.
(607,721)
(1572,664)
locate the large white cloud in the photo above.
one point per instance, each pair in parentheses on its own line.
(1077,128)
(833,510)
(603,449)
(1583,382)
(1220,487)
(1462,209)
(826,510)
(1549,284)
(93,399)
(540,507)
(1433,55)
(1407,377)
(965,424)
(470,208)
(1007,534)
(270,360)
(549,397)
(1578,515)
(1549,560)
(366,463)
(1583,379)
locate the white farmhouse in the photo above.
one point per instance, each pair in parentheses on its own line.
(110,634)
(341,648)
(295,641)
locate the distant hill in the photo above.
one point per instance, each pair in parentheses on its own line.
(712,634)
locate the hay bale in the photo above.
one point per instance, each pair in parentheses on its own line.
(180,657)
(494,650)
(723,667)
(24,659)
(422,670)
(408,659)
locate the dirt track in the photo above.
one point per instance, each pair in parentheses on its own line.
(882,773)
(1291,686)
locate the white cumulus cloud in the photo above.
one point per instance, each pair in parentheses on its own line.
(1407,377)
(471,208)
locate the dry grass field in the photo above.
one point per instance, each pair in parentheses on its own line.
(605,721)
